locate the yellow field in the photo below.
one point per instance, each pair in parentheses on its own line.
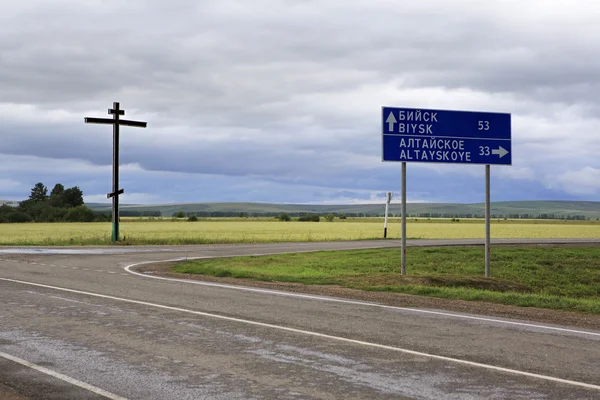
(183,232)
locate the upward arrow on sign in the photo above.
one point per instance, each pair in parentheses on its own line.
(391,120)
(501,151)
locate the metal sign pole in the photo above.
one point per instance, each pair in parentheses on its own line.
(403,265)
(487,221)
(388,198)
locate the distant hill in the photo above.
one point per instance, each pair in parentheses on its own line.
(510,209)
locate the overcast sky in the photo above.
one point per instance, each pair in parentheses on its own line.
(280,101)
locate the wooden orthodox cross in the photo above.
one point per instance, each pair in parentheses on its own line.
(116,122)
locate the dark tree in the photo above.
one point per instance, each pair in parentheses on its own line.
(310,218)
(284,217)
(79,214)
(72,197)
(39,192)
(57,195)
(58,190)
(17,217)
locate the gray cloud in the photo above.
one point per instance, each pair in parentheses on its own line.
(289,92)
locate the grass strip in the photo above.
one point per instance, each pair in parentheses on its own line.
(560,278)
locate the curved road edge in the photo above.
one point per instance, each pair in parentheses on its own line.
(158,269)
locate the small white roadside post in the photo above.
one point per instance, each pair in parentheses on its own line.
(388,198)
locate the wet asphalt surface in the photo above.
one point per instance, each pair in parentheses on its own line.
(153,339)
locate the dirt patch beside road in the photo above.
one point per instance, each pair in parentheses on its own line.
(398,299)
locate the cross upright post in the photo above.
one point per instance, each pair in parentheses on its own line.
(116,122)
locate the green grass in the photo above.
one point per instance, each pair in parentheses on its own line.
(266,231)
(561,278)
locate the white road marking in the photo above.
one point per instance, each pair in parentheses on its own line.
(345,301)
(62,377)
(331,299)
(316,334)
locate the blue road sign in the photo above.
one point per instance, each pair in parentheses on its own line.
(444,136)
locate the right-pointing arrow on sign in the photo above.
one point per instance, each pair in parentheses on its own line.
(501,151)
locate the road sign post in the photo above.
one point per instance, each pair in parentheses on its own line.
(446,136)
(487,221)
(403,208)
(116,122)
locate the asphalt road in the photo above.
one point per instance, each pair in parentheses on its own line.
(75,325)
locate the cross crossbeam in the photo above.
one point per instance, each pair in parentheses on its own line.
(109,195)
(116,110)
(116,122)
(110,121)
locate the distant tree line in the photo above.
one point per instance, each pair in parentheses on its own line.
(305,215)
(496,216)
(67,205)
(62,205)
(308,218)
(238,214)
(132,213)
